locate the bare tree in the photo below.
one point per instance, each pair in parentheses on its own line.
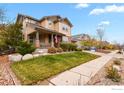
(2,15)
(2,24)
(100,33)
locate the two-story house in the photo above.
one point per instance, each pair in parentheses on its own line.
(48,31)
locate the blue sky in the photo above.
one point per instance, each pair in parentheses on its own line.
(85,17)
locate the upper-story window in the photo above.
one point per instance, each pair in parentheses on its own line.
(30,21)
(50,22)
(65,27)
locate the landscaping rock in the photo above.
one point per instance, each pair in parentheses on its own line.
(45,54)
(117,67)
(36,55)
(27,56)
(15,57)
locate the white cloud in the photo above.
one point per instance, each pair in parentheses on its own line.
(107,9)
(82,5)
(104,23)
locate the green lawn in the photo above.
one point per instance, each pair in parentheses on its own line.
(40,68)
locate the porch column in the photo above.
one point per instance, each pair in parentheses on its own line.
(52,41)
(37,42)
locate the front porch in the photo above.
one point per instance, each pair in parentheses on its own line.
(43,38)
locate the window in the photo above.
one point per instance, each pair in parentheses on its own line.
(30,21)
(31,39)
(50,22)
(65,27)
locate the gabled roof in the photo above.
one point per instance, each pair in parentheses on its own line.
(66,19)
(53,16)
(26,16)
(56,18)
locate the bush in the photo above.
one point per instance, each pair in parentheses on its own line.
(119,52)
(117,62)
(25,48)
(52,50)
(64,46)
(86,48)
(59,50)
(68,46)
(78,49)
(72,47)
(108,46)
(113,74)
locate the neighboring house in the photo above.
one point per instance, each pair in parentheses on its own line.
(48,31)
(80,37)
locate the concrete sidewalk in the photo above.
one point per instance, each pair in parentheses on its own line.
(80,75)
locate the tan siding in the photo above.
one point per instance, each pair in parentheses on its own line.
(30,30)
(56,27)
(44,23)
(67,33)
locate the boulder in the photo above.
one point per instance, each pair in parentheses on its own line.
(36,55)
(27,56)
(15,57)
(45,54)
(117,67)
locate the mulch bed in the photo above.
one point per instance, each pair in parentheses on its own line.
(4,58)
(101,79)
(5,77)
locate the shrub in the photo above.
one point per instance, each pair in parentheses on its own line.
(78,49)
(117,62)
(64,46)
(119,52)
(86,48)
(113,74)
(68,46)
(72,47)
(25,48)
(59,50)
(108,46)
(52,50)
(11,35)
